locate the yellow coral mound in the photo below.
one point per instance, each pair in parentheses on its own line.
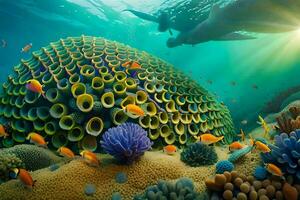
(68,182)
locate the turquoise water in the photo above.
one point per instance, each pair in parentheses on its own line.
(271,62)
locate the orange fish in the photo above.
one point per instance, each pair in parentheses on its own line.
(37,139)
(262,147)
(235,146)
(132,65)
(273,169)
(26,48)
(170,149)
(35,86)
(3,132)
(134,111)
(90,158)
(24,176)
(66,152)
(208,138)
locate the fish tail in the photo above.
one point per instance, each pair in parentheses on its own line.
(43,95)
(221,138)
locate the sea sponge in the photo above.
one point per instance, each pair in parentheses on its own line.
(224,165)
(126,142)
(33,157)
(260,173)
(285,153)
(199,154)
(7,162)
(80,72)
(169,190)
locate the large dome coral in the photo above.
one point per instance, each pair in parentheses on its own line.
(86,87)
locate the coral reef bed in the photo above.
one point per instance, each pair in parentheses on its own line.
(152,167)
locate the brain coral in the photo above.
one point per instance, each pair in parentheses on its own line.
(86,87)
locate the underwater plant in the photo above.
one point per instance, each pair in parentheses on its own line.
(86,85)
(285,153)
(198,154)
(126,142)
(224,165)
(260,173)
(182,189)
(7,162)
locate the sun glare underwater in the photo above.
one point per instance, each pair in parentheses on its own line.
(152,99)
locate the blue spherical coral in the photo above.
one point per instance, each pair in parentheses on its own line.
(126,142)
(224,165)
(285,153)
(260,173)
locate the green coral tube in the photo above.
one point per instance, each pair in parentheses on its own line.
(180,128)
(88,72)
(120,76)
(186,118)
(74,79)
(20,102)
(16,113)
(170,106)
(131,84)
(31,97)
(32,114)
(94,126)
(193,129)
(43,113)
(54,95)
(75,134)
(108,100)
(24,112)
(38,125)
(170,139)
(145,121)
(180,100)
(18,137)
(66,122)
(203,127)
(8,142)
(85,102)
(118,116)
(103,70)
(64,85)
(51,127)
(151,109)
(175,117)
(97,85)
(128,100)
(78,89)
(141,97)
(20,126)
(108,80)
(183,138)
(164,131)
(58,110)
(163,117)
(89,143)
(59,139)
(119,89)
(196,118)
(154,134)
(149,87)
(154,122)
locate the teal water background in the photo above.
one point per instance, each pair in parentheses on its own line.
(272,62)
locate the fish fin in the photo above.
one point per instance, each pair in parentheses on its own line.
(170,31)
(235,36)
(132,115)
(164,22)
(43,95)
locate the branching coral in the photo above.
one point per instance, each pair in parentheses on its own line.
(126,142)
(7,162)
(199,154)
(289,121)
(182,189)
(285,153)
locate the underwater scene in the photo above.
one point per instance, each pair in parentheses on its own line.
(150,99)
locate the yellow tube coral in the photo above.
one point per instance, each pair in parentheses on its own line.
(128,100)
(149,87)
(74,79)
(153,134)
(51,128)
(183,138)
(108,100)
(175,117)
(170,106)
(85,102)
(154,122)
(118,116)
(88,72)
(78,89)
(186,118)
(119,88)
(163,117)
(180,128)
(193,129)
(131,84)
(141,97)
(66,122)
(164,131)
(151,109)
(97,85)
(94,126)
(108,79)
(120,76)
(145,121)
(58,110)
(170,139)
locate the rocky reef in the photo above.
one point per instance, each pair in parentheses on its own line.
(87,85)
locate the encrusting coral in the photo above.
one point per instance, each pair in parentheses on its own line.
(82,76)
(199,154)
(126,142)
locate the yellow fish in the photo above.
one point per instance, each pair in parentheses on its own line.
(26,48)
(35,86)
(170,149)
(90,158)
(208,138)
(273,169)
(134,111)
(264,125)
(66,152)
(262,147)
